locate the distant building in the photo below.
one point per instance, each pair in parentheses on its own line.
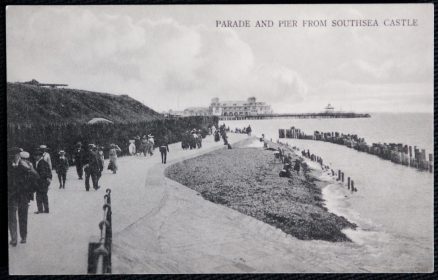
(196,111)
(36,83)
(172,113)
(191,111)
(250,107)
(329,109)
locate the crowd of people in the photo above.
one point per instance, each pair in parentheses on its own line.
(30,176)
(286,159)
(142,146)
(27,178)
(244,130)
(191,139)
(222,133)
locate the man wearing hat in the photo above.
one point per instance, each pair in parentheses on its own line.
(78,157)
(164,149)
(92,168)
(20,173)
(45,174)
(62,168)
(193,139)
(46,155)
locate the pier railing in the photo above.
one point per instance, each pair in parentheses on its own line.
(323,115)
(99,253)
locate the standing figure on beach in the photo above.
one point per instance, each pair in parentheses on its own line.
(92,168)
(113,165)
(217,137)
(21,175)
(248,130)
(164,149)
(45,173)
(62,168)
(297,166)
(78,157)
(285,172)
(224,135)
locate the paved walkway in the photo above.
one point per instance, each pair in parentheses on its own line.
(160,226)
(180,232)
(58,242)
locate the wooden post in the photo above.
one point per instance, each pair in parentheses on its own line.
(342,176)
(281,133)
(348,182)
(339,175)
(352,185)
(410,155)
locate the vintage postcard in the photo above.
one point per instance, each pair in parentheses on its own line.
(220,139)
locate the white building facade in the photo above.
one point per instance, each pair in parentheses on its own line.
(250,107)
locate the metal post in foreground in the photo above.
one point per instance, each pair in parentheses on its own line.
(99,253)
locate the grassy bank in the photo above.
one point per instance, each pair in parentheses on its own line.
(246,179)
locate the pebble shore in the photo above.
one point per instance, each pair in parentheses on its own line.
(246,179)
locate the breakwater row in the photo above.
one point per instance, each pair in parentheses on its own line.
(395,152)
(315,158)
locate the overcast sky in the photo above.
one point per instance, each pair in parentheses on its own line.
(172,57)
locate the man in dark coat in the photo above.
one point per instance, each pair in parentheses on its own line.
(164,149)
(248,130)
(78,156)
(43,169)
(297,166)
(62,168)
(92,168)
(20,176)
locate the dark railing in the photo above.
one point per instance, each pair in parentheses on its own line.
(99,253)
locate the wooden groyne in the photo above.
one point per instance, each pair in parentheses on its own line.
(334,115)
(340,178)
(395,152)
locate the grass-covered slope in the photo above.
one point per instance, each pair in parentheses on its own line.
(30,104)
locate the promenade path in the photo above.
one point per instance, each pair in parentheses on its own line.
(161,226)
(57,243)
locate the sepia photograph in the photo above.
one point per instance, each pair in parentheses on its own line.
(187,139)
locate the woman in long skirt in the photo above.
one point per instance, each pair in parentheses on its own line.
(113,157)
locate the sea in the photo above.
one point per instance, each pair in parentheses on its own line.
(393,207)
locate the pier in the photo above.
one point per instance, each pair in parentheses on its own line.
(395,152)
(323,115)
